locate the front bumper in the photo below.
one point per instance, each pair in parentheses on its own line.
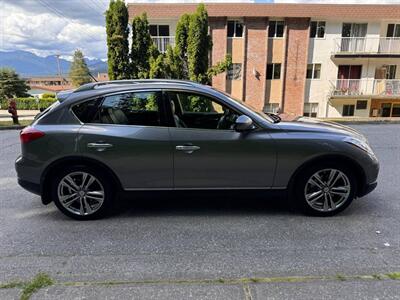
(368,188)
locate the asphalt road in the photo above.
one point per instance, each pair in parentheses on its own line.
(169,249)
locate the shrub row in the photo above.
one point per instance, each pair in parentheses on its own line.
(28,103)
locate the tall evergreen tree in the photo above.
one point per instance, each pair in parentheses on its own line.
(141,48)
(11,85)
(117,40)
(79,71)
(198,45)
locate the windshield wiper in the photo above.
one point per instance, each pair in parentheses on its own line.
(275,118)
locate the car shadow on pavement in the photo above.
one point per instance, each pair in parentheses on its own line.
(203,203)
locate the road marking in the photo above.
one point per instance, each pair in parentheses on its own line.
(247,292)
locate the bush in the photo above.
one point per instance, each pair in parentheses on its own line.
(28,103)
(48,95)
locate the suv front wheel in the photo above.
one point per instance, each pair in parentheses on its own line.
(325,189)
(82,193)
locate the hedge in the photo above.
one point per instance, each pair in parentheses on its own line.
(28,103)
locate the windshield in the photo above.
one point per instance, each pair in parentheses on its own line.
(272,118)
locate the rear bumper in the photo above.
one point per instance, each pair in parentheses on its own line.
(29,186)
(368,188)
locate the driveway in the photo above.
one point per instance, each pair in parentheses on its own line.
(214,248)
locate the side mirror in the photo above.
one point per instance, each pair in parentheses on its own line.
(243,123)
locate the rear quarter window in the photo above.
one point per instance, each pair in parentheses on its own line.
(88,111)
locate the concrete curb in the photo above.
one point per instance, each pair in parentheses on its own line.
(15,127)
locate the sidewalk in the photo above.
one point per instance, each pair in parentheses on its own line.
(22,114)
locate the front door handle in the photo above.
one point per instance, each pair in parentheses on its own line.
(187,148)
(99,146)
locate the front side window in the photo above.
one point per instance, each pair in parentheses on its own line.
(317,29)
(313,71)
(273,71)
(199,111)
(276,29)
(139,108)
(235,29)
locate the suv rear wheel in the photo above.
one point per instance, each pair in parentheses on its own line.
(325,189)
(82,193)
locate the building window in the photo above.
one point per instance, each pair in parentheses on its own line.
(391,72)
(348,110)
(271,108)
(317,29)
(235,72)
(310,110)
(235,29)
(275,29)
(361,104)
(159,30)
(393,30)
(396,110)
(273,71)
(313,71)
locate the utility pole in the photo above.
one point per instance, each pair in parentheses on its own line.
(59,70)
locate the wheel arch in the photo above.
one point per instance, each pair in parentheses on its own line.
(52,168)
(339,158)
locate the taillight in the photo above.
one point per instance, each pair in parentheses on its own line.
(29,134)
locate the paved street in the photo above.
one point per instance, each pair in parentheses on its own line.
(206,249)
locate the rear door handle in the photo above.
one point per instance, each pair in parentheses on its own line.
(99,146)
(187,148)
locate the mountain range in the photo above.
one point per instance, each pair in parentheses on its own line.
(28,64)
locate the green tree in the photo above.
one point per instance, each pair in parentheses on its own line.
(141,48)
(117,40)
(198,45)
(11,85)
(189,58)
(79,71)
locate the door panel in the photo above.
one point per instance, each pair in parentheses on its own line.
(140,156)
(222,159)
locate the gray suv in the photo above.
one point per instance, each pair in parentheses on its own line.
(107,139)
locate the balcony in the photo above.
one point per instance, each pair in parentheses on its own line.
(367,47)
(162,42)
(384,88)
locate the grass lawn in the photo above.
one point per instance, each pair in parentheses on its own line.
(10,123)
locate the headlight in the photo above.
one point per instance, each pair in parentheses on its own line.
(360,144)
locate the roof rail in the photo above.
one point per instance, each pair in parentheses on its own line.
(94,85)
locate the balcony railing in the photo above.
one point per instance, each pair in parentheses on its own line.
(162,42)
(366,45)
(366,87)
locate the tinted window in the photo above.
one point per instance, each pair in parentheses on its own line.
(141,108)
(87,112)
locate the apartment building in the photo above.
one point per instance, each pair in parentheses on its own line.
(317,60)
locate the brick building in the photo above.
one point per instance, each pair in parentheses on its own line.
(319,60)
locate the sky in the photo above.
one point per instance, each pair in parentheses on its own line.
(48,27)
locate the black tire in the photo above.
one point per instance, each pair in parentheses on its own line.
(106,183)
(298,194)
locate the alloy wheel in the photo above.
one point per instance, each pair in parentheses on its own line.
(327,190)
(80,193)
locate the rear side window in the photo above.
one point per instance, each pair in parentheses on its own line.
(140,108)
